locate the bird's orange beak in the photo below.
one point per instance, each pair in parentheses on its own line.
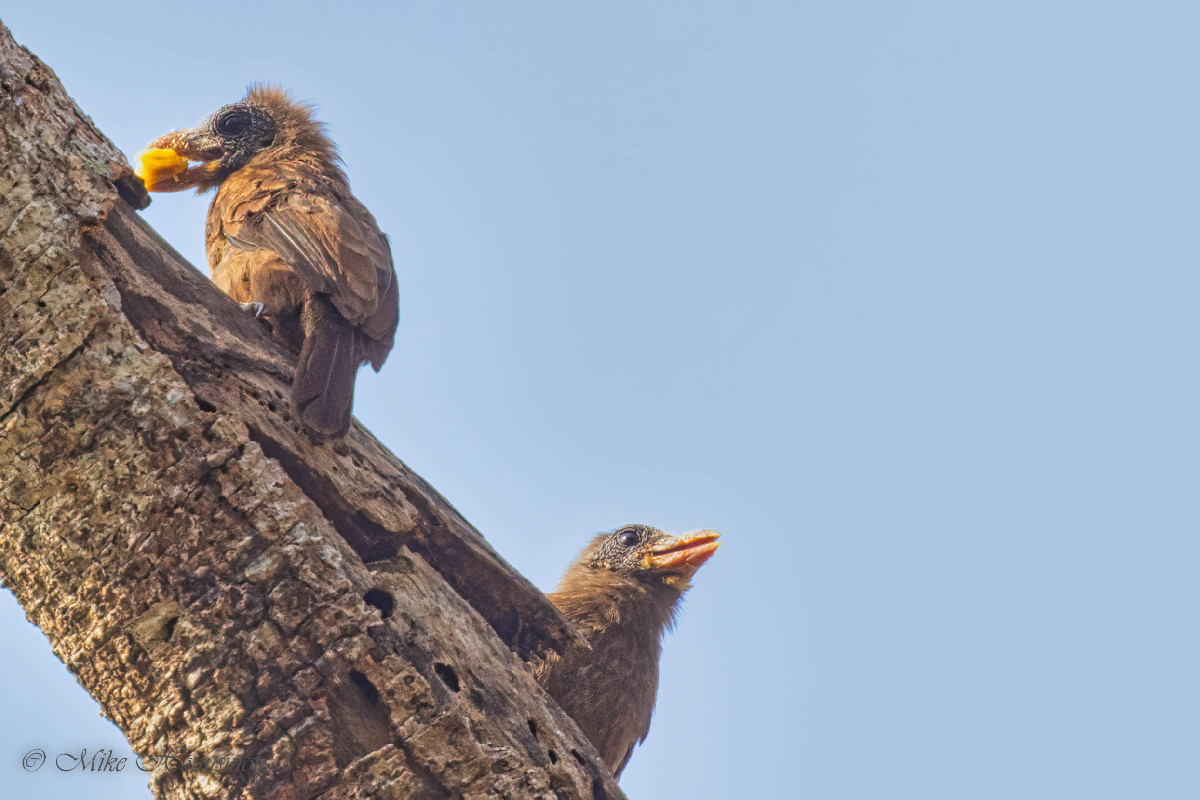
(686,554)
(163,165)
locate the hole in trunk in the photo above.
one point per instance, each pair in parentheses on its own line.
(447,674)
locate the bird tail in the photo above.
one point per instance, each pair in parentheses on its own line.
(323,385)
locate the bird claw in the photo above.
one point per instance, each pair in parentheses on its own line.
(256,308)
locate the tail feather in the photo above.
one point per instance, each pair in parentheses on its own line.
(323,385)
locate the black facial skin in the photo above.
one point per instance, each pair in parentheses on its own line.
(624,551)
(243,130)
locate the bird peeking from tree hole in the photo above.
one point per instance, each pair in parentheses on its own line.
(287,239)
(621,594)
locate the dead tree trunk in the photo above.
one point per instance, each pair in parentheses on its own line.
(225,587)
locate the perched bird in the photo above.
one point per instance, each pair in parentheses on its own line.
(286,238)
(621,594)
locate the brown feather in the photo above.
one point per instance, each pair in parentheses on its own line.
(285,231)
(622,605)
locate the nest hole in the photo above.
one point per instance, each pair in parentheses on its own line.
(381,600)
(448,675)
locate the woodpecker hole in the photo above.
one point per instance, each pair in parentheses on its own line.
(447,674)
(381,600)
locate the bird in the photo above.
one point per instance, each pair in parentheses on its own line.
(286,238)
(621,594)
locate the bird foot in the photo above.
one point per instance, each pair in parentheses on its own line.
(256,308)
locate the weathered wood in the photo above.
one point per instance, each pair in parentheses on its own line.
(222,584)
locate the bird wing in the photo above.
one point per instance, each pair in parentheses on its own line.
(624,762)
(332,243)
(643,727)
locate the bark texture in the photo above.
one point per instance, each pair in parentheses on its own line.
(222,584)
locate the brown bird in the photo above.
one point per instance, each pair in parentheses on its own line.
(286,238)
(621,594)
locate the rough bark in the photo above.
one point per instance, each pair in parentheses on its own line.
(222,584)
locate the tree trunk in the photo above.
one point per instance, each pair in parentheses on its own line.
(223,585)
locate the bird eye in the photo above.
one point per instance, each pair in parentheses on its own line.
(629,538)
(234,123)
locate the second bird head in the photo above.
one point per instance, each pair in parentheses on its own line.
(642,556)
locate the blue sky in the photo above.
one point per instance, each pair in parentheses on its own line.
(898,297)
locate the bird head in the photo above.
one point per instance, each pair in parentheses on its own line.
(264,126)
(648,556)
